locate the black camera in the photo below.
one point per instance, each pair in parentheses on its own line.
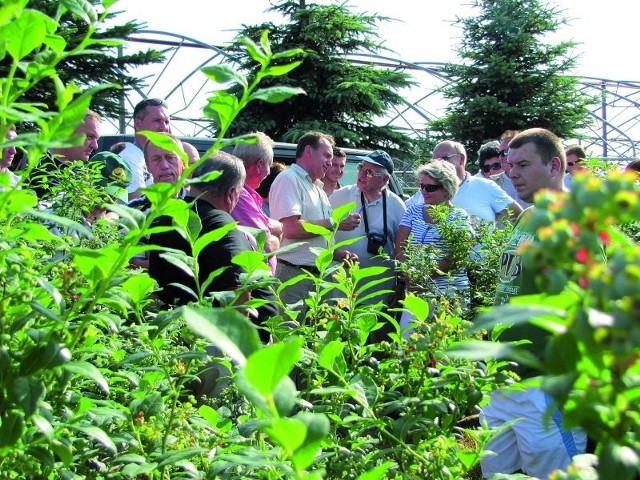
(375,241)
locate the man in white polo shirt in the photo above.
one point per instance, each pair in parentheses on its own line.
(297,196)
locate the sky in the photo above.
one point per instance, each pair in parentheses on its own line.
(423,31)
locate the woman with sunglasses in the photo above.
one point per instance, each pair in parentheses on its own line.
(438,184)
(489,161)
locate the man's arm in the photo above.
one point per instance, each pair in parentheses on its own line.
(513,208)
(293,229)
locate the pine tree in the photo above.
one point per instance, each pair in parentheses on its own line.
(509,78)
(105,66)
(342,98)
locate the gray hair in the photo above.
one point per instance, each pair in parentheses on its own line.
(231,167)
(442,172)
(261,149)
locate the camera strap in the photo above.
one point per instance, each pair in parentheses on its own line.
(384,212)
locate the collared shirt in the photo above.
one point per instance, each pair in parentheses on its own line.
(294,194)
(248,212)
(134,156)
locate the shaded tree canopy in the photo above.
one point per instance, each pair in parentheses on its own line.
(343,98)
(509,78)
(105,66)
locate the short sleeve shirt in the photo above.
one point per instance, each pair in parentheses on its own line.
(294,194)
(481,198)
(248,212)
(133,155)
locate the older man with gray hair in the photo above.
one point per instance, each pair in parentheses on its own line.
(257,157)
(212,201)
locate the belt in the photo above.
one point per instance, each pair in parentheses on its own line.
(308,268)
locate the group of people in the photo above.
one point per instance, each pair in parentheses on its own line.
(512,170)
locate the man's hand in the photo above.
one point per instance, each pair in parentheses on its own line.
(345,256)
(351,222)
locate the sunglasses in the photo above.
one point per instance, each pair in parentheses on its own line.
(571,164)
(503,153)
(369,172)
(487,167)
(430,188)
(149,102)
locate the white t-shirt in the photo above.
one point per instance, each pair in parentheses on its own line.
(133,155)
(480,198)
(293,193)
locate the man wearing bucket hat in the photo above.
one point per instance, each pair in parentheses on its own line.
(381,211)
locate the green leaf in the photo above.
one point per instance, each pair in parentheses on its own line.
(165,142)
(63,450)
(44,426)
(87,370)
(377,473)
(209,237)
(279,70)
(222,108)
(250,261)
(173,457)
(225,74)
(288,53)
(329,355)
(44,356)
(368,386)
(150,405)
(561,353)
(482,350)
(82,9)
(276,94)
(266,367)
(29,393)
(10,429)
(284,397)
(181,260)
(26,33)
(289,433)
(618,461)
(418,307)
(210,415)
(227,329)
(317,426)
(254,51)
(513,314)
(99,435)
(316,229)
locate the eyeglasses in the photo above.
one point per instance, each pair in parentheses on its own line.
(487,167)
(503,153)
(447,157)
(369,172)
(571,164)
(148,102)
(430,188)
